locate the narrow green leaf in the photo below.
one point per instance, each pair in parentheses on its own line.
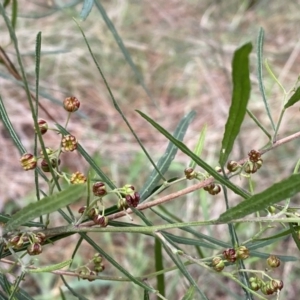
(189,295)
(275,237)
(146,295)
(261,243)
(20,294)
(159,265)
(62,295)
(14,14)
(164,162)
(260,125)
(194,232)
(13,135)
(5,219)
(295,98)
(176,259)
(259,51)
(10,129)
(283,258)
(86,9)
(199,146)
(121,45)
(189,241)
(277,192)
(73,292)
(239,101)
(45,206)
(195,158)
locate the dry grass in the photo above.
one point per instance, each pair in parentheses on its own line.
(183,49)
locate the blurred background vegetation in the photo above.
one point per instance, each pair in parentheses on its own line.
(183,50)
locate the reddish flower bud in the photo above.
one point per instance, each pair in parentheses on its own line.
(190,173)
(99,189)
(34,249)
(45,166)
(100,220)
(28,161)
(232,166)
(229,255)
(82,209)
(43,126)
(71,104)
(254,156)
(216,190)
(93,212)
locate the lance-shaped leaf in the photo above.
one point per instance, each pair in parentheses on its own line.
(195,158)
(277,192)
(45,206)
(295,98)
(239,101)
(165,161)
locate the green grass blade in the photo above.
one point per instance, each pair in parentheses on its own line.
(199,146)
(259,51)
(86,9)
(279,191)
(295,98)
(45,206)
(159,265)
(239,101)
(121,45)
(164,162)
(116,105)
(197,159)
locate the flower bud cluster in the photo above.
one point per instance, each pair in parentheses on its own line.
(130,198)
(254,162)
(267,288)
(68,143)
(36,240)
(98,263)
(213,189)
